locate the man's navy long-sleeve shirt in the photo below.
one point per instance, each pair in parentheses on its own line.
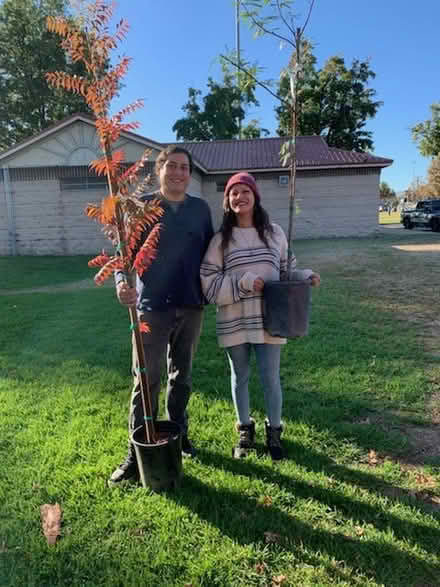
(173,279)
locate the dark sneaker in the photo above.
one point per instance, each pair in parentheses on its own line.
(188,449)
(127,472)
(246,440)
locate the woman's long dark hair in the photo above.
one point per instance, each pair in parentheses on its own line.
(260,220)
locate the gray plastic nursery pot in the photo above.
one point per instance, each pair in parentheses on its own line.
(287,308)
(159,464)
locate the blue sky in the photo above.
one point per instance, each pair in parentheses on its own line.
(175,44)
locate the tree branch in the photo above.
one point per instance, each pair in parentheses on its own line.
(254,79)
(308,16)
(282,17)
(264,29)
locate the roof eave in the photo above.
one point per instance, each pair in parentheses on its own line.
(300,168)
(66,122)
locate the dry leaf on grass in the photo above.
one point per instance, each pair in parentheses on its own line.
(260,568)
(51,521)
(278,580)
(425,480)
(272,538)
(373,457)
(265,501)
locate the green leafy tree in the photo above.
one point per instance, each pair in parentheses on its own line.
(252,130)
(27,51)
(427,134)
(434,176)
(334,102)
(385,192)
(217,114)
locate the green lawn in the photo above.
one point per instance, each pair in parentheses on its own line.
(385,218)
(42,271)
(356,503)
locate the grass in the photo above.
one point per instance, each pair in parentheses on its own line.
(385,218)
(42,271)
(353,505)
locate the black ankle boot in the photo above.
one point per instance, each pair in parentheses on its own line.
(126,472)
(273,441)
(246,440)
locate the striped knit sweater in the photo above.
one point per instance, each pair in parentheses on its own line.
(228,280)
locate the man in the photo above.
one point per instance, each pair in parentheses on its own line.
(169,299)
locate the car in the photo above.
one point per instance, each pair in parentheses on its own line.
(426,214)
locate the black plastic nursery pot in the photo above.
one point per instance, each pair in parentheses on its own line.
(159,464)
(287,308)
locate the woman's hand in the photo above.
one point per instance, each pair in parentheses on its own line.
(258,284)
(315,279)
(126,295)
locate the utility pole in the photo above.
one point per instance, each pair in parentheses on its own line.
(237,48)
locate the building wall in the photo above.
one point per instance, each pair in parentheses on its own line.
(49,217)
(337,203)
(48,206)
(51,221)
(4,230)
(48,210)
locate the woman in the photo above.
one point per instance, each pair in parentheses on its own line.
(247,251)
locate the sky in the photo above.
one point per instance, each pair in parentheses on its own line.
(175,44)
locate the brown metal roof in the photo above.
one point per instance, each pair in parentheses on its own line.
(234,155)
(253,154)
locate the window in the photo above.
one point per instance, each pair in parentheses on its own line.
(83,183)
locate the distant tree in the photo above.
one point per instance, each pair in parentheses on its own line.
(428,188)
(252,130)
(385,192)
(434,176)
(418,190)
(217,114)
(334,102)
(27,51)
(427,134)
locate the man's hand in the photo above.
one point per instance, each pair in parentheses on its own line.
(126,295)
(258,284)
(315,279)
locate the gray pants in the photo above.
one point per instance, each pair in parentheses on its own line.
(174,334)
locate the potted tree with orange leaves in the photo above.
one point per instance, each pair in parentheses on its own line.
(134,224)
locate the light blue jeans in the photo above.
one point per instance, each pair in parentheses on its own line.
(268,363)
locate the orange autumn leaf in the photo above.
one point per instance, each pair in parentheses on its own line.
(143,327)
(103,213)
(109,268)
(108,165)
(147,252)
(108,206)
(100,260)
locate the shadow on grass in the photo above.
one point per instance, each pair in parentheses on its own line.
(244,520)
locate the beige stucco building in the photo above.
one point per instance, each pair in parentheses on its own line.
(45,184)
